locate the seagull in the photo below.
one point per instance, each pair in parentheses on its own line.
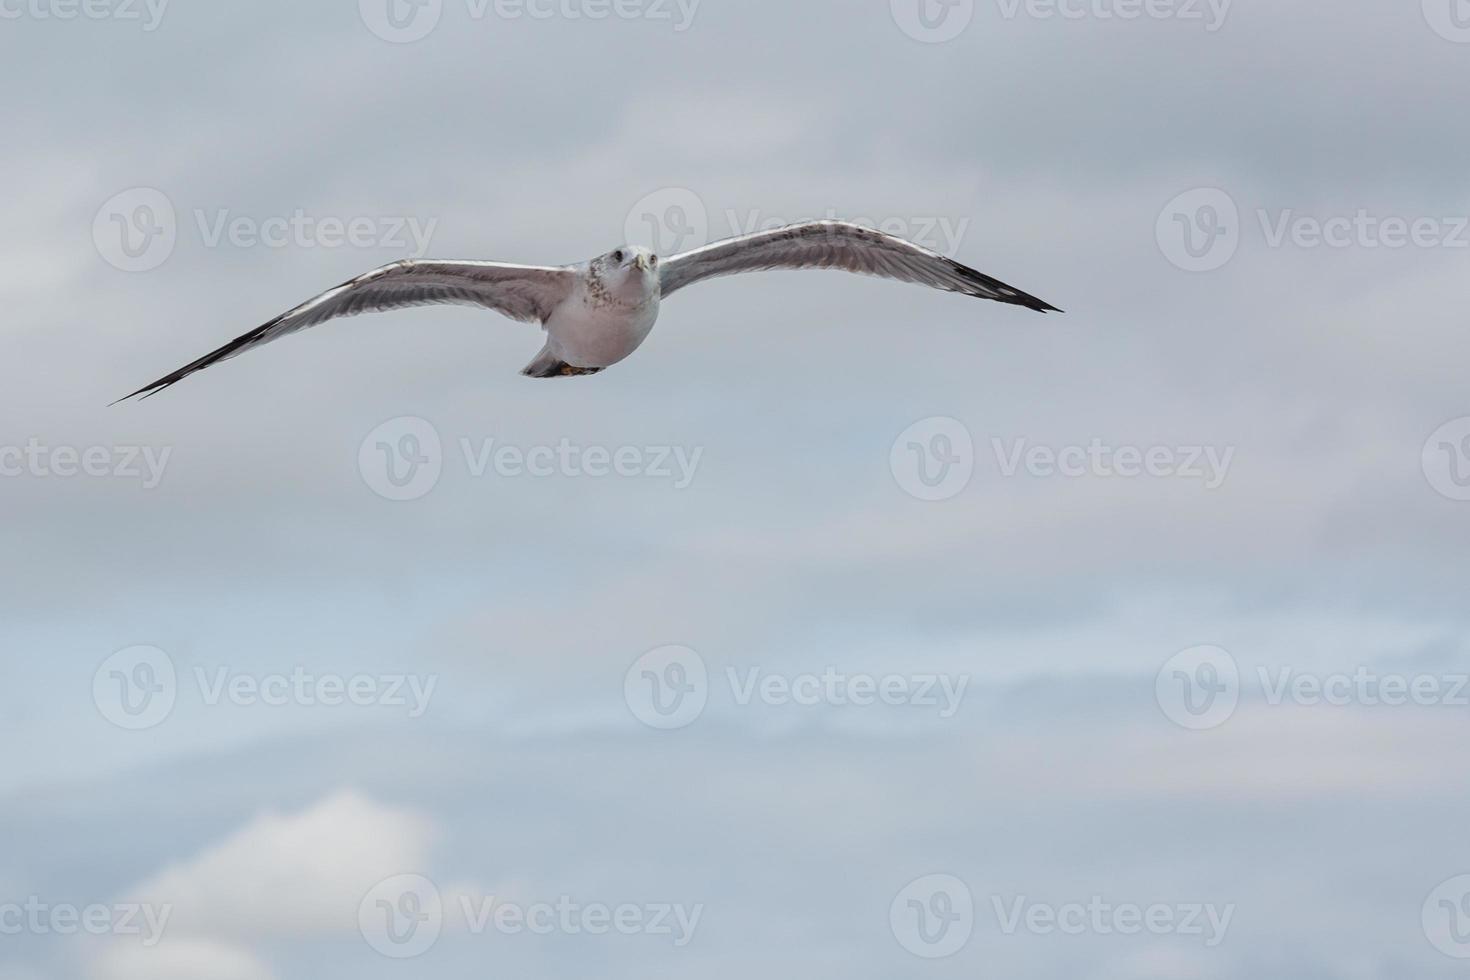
(597,313)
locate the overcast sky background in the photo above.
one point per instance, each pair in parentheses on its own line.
(1157,176)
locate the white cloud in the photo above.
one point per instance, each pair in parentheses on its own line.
(291,874)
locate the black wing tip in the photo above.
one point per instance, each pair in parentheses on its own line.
(1018,298)
(148,391)
(214,357)
(168,381)
(991,288)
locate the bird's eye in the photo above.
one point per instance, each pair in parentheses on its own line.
(618,255)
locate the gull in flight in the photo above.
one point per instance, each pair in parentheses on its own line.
(597,313)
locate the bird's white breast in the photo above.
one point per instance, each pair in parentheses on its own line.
(592,332)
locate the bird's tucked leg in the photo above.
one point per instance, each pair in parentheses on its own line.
(548,364)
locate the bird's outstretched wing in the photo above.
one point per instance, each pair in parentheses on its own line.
(521,292)
(838,245)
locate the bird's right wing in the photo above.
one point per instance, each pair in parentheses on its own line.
(521,292)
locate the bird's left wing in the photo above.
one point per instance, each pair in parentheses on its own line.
(528,293)
(838,245)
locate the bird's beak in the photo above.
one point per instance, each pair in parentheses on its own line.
(642,262)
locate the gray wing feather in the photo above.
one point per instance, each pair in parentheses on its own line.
(527,293)
(838,245)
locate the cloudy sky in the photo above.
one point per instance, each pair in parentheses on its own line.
(847,630)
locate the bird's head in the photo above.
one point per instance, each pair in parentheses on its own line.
(629,269)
